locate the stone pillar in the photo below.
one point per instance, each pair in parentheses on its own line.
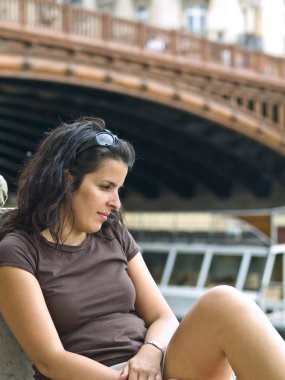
(125,9)
(166,14)
(14,364)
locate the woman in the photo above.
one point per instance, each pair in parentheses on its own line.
(78,297)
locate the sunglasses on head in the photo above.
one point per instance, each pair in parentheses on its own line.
(103,138)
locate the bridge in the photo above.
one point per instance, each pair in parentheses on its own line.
(207,119)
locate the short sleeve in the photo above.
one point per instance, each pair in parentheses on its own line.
(17,251)
(128,243)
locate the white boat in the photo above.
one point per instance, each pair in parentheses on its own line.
(185,271)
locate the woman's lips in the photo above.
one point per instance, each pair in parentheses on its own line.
(104,215)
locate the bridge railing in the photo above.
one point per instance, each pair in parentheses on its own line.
(47,16)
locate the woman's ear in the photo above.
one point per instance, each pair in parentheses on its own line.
(68,177)
(67,174)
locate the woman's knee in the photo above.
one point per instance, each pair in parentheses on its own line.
(222,298)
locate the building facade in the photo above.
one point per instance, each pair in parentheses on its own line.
(255,24)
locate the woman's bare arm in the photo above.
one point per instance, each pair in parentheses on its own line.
(150,304)
(24,309)
(160,320)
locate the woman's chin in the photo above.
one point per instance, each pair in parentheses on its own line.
(95,228)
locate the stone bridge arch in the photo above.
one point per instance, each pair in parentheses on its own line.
(223,122)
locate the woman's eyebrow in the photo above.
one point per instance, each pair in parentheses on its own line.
(111,183)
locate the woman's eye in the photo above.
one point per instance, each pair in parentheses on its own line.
(105,187)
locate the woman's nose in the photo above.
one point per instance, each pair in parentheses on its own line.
(115,201)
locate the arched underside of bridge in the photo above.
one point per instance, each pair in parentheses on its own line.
(185,161)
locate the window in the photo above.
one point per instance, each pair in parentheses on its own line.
(223,270)
(73,2)
(196,19)
(6,10)
(186,269)
(155,262)
(274,290)
(105,5)
(142,14)
(250,41)
(255,273)
(277,274)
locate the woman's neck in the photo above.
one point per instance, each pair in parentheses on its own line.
(70,238)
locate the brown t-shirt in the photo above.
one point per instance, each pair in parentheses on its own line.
(87,290)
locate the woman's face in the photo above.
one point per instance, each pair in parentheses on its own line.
(97,196)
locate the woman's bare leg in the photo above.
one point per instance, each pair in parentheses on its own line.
(224,327)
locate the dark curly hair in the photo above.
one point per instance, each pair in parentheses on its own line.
(43,187)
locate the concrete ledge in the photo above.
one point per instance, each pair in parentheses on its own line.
(14,364)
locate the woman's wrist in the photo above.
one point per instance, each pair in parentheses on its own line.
(155,344)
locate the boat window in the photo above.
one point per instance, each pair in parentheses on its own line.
(155,262)
(186,269)
(277,269)
(274,290)
(255,273)
(223,270)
